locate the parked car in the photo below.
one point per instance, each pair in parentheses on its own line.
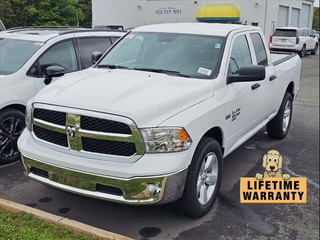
(292,39)
(25,55)
(108,27)
(151,122)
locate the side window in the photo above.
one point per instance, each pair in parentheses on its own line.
(63,54)
(240,55)
(88,45)
(304,33)
(259,49)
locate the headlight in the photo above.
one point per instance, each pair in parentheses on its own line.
(158,140)
(28,115)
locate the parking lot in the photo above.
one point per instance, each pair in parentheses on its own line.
(229,219)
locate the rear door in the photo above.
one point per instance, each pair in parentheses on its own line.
(310,39)
(267,89)
(305,38)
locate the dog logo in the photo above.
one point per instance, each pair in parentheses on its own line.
(272,162)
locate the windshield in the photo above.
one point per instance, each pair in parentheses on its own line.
(184,55)
(15,53)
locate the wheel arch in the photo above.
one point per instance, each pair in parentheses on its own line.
(290,89)
(18,107)
(217,134)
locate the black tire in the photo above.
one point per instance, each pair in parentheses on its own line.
(314,51)
(302,53)
(12,123)
(200,190)
(278,127)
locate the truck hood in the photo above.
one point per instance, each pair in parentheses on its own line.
(147,98)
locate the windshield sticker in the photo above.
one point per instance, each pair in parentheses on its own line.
(38,44)
(204,71)
(217,46)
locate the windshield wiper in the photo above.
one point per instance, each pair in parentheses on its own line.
(157,70)
(112,66)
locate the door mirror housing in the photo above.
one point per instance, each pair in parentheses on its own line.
(249,73)
(95,56)
(53,71)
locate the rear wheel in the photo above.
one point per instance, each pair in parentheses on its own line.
(302,53)
(11,126)
(203,179)
(314,51)
(278,127)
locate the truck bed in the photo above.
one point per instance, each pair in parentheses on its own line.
(279,57)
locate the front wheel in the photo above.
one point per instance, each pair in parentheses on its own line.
(278,127)
(314,51)
(11,126)
(203,179)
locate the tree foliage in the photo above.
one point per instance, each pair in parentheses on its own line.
(45,12)
(315,22)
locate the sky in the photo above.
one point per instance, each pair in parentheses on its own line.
(316,3)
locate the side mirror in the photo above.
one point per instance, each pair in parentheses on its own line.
(53,71)
(95,56)
(248,74)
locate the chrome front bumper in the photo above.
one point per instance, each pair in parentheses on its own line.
(139,190)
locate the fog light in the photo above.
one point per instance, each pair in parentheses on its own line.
(154,190)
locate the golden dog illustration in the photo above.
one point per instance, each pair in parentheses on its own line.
(272,162)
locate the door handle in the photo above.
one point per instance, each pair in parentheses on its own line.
(273,77)
(254,86)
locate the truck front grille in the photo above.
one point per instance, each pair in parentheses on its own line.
(77,130)
(104,125)
(108,147)
(55,117)
(51,136)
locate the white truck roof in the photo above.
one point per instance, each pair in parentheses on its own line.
(220,29)
(43,35)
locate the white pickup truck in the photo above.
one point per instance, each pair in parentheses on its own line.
(152,120)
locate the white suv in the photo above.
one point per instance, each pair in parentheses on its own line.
(25,55)
(300,40)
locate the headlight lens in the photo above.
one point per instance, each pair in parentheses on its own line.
(160,140)
(28,115)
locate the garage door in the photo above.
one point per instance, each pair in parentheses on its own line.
(295,17)
(283,16)
(305,15)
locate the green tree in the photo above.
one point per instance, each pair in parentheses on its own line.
(45,12)
(315,22)
(86,7)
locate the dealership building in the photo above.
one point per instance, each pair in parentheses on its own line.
(266,14)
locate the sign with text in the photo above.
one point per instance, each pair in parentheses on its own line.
(168,10)
(273,190)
